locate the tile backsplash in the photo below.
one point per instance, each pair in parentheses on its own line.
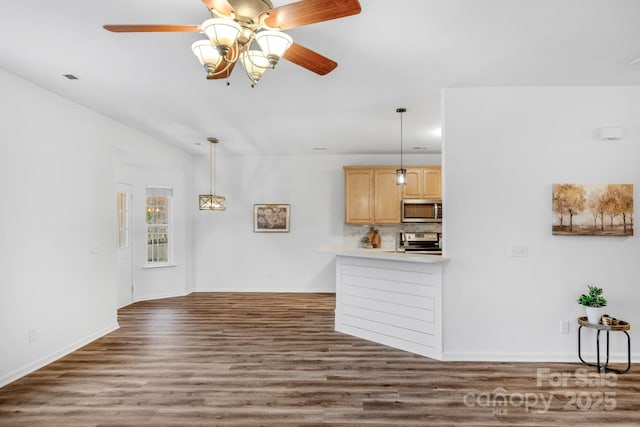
(352,234)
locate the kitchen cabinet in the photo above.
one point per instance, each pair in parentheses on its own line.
(387,197)
(358,192)
(423,182)
(371,195)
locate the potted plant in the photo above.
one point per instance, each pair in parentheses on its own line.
(592,302)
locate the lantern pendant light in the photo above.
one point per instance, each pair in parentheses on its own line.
(211,202)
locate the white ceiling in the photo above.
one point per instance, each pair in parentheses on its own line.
(153,83)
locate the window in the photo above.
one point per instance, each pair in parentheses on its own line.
(159,227)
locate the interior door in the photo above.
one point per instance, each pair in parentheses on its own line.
(124,250)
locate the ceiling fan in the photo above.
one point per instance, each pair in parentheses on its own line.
(252,31)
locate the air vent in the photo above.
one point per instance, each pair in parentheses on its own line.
(70,76)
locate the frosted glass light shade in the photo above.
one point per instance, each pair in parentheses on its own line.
(222,33)
(274,44)
(401,176)
(206,53)
(255,64)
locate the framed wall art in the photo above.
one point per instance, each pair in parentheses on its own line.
(271,218)
(592,210)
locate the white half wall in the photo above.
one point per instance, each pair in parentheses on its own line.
(503,150)
(229,256)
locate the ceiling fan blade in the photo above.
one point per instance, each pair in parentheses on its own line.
(307,12)
(222,65)
(309,59)
(153,28)
(221,6)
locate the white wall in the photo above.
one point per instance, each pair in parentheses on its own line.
(56,169)
(57,223)
(503,149)
(144,162)
(229,256)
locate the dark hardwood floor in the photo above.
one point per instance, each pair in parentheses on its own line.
(237,359)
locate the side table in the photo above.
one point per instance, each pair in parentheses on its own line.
(621,326)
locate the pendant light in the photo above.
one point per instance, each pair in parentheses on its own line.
(211,202)
(401,174)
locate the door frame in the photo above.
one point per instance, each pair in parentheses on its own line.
(123,187)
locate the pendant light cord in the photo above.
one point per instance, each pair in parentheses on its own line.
(401,139)
(212,167)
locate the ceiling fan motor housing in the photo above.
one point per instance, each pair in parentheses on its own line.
(247,15)
(250,8)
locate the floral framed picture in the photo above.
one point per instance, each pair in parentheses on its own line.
(271,218)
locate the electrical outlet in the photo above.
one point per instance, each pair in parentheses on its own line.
(32,335)
(564,326)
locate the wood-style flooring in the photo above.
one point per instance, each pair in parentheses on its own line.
(249,359)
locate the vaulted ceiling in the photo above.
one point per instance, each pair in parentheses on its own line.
(393,54)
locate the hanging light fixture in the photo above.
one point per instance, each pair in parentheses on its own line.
(237,29)
(211,202)
(244,38)
(401,174)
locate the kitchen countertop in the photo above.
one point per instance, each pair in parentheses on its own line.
(382,253)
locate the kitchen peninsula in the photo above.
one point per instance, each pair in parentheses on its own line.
(389,297)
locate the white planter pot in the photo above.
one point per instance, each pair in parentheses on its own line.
(593,314)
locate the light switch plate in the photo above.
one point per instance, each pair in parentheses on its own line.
(519,251)
(96,247)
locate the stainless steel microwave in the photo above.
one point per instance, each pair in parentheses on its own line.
(421,210)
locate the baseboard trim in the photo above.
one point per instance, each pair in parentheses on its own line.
(533,357)
(272,290)
(34,366)
(139,298)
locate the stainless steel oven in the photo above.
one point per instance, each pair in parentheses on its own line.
(420,243)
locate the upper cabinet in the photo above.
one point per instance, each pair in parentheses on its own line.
(358,195)
(387,196)
(423,182)
(371,195)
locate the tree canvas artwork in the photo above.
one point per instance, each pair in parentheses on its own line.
(593,210)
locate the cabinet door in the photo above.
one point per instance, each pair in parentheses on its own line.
(432,183)
(388,194)
(413,188)
(358,196)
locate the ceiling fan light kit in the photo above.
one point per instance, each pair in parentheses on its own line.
(208,55)
(222,33)
(251,31)
(255,64)
(274,44)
